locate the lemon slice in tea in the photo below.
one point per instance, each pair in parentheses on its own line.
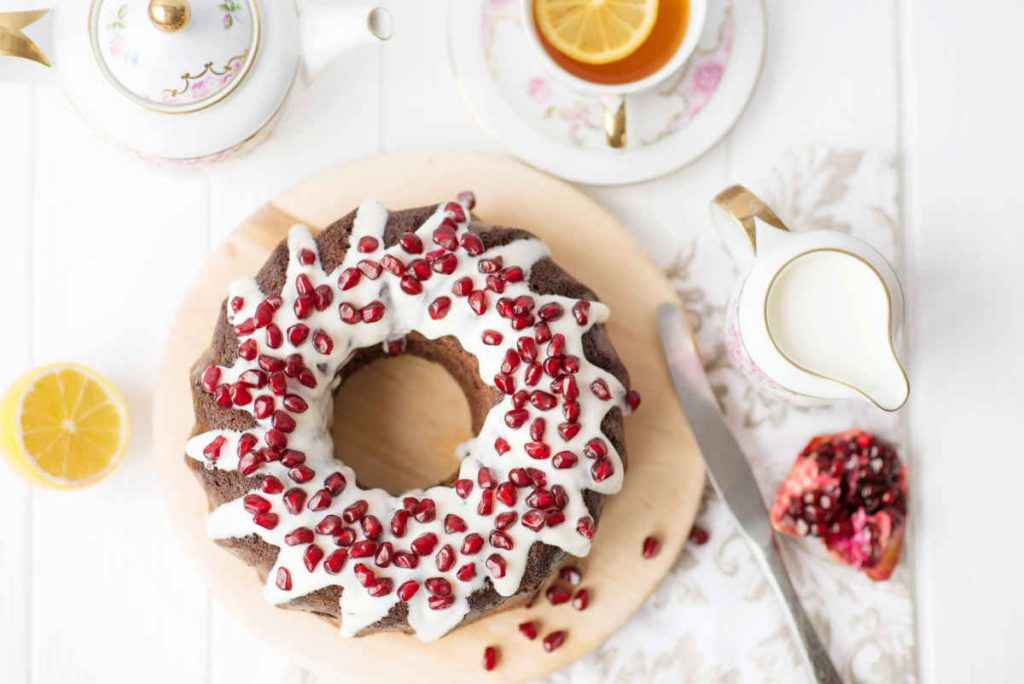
(596,31)
(63,426)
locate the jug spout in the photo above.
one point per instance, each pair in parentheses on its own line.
(890,389)
(743,221)
(329,29)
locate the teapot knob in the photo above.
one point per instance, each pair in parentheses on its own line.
(170,16)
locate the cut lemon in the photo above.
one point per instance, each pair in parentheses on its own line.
(596,31)
(63,426)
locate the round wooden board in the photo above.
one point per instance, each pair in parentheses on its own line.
(665,476)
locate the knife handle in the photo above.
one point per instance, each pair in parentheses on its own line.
(815,654)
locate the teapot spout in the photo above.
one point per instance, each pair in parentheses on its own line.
(329,29)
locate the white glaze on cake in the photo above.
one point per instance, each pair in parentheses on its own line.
(404,313)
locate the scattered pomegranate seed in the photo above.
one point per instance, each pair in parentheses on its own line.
(408,589)
(651,547)
(571,574)
(528,630)
(581,600)
(490,658)
(554,641)
(284,579)
(558,595)
(699,536)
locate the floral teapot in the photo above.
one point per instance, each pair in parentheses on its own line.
(187,80)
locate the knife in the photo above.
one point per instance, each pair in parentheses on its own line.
(732,478)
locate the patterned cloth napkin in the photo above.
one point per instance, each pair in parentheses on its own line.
(715,619)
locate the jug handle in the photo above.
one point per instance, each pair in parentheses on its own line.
(737,207)
(14,42)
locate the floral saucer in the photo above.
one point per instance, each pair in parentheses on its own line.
(560,131)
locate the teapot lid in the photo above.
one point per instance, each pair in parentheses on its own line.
(175,56)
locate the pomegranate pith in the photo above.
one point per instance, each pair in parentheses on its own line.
(850,490)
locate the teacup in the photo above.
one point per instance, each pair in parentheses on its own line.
(614,95)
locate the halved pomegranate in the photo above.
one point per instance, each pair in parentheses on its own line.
(849,489)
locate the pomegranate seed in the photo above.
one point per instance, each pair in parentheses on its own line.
(411,243)
(501,540)
(283,422)
(336,561)
(364,574)
(463,488)
(472,544)
(307,379)
(240,395)
(246,327)
(211,376)
(453,524)
(323,296)
(421,269)
(307,257)
(542,333)
(571,411)
(394,347)
(300,535)
(537,429)
(554,640)
(311,556)
(297,334)
(381,587)
(411,286)
(651,547)
(532,374)
(254,503)
(284,579)
(440,602)
(370,268)
(600,390)
(304,307)
(445,237)
(248,350)
(424,544)
(602,470)
(349,278)
(294,499)
(263,407)
(492,337)
(271,485)
(466,572)
(595,448)
(384,553)
(330,525)
(570,390)
(335,483)
(446,264)
(355,512)
(478,302)
(496,566)
(581,312)
(520,398)
(489,265)
(506,493)
(516,418)
(633,400)
(438,309)
(322,342)
(504,306)
(550,312)
(538,450)
(368,244)
(486,504)
(266,520)
(519,477)
(426,511)
(455,211)
(346,537)
(504,382)
(543,401)
(319,501)
(237,303)
(462,287)
(212,450)
(467,199)
(533,519)
(527,348)
(408,589)
(405,560)
(495,283)
(568,430)
(563,460)
(295,403)
(528,630)
(490,658)
(699,536)
(505,520)
(585,526)
(371,527)
(558,595)
(554,518)
(372,312)
(398,523)
(438,586)
(501,446)
(363,549)
(485,478)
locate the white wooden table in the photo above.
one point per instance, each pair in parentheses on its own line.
(98,248)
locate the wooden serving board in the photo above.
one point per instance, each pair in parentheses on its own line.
(665,475)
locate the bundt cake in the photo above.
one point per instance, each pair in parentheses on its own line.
(524,340)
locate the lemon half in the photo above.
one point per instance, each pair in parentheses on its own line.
(596,31)
(63,426)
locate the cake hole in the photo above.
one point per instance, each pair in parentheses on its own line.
(397,422)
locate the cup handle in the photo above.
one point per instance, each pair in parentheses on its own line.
(14,42)
(615,121)
(737,207)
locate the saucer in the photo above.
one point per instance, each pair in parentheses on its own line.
(556,129)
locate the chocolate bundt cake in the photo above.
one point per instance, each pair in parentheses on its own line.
(524,340)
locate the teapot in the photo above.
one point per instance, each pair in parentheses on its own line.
(816,313)
(187,80)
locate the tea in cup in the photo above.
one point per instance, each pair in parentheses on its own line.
(613,48)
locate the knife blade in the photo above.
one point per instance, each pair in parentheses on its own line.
(734,480)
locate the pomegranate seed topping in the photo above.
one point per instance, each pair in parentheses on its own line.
(319,501)
(558,595)
(541,498)
(550,312)
(554,640)
(520,398)
(394,347)
(300,535)
(445,237)
(295,403)
(364,574)
(250,463)
(335,483)
(266,520)
(466,572)
(463,488)
(248,350)
(254,503)
(595,448)
(553,366)
(568,430)
(311,556)
(453,524)
(537,429)
(501,540)
(438,586)
(330,525)
(368,244)
(355,512)
(372,312)
(490,265)
(490,658)
(633,400)
(519,477)
(543,401)
(533,373)
(538,450)
(440,602)
(467,199)
(446,264)
(303,285)
(263,407)
(211,376)
(463,286)
(533,519)
(570,390)
(505,520)
(289,458)
(486,504)
(651,547)
(527,348)
(349,278)
(514,274)
(411,286)
(554,518)
(363,549)
(384,553)
(455,211)
(506,493)
(212,450)
(297,334)
(426,511)
(496,566)
(336,561)
(424,544)
(307,257)
(411,243)
(278,383)
(421,269)
(398,523)
(581,312)
(304,307)
(528,630)
(495,283)
(284,579)
(542,333)
(699,536)
(602,470)
(563,460)
(571,411)
(271,485)
(439,308)
(237,303)
(504,382)
(405,560)
(370,268)
(485,478)
(294,500)
(585,526)
(504,307)
(478,302)
(410,503)
(516,418)
(246,327)
(371,527)
(600,390)
(492,337)
(571,574)
(346,537)
(240,395)
(323,296)
(307,379)
(408,589)
(293,365)
(501,446)
(283,422)
(381,587)
(472,544)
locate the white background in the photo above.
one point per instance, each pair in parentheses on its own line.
(97,250)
